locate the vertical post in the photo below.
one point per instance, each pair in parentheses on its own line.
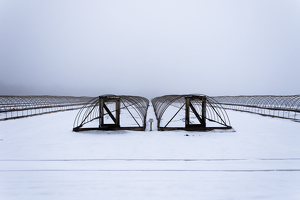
(100,112)
(150,120)
(187,111)
(203,111)
(118,112)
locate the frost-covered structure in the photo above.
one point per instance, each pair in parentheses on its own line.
(112,112)
(189,112)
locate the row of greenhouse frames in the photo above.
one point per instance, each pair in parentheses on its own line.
(13,107)
(173,112)
(194,112)
(286,107)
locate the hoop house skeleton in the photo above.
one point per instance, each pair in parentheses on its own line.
(286,107)
(189,112)
(111,112)
(13,107)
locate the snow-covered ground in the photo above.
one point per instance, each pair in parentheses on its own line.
(41,158)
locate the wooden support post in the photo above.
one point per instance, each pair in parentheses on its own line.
(203,122)
(118,113)
(187,112)
(201,119)
(101,113)
(103,107)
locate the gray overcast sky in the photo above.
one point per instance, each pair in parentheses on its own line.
(149,48)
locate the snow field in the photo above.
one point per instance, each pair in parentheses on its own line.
(41,158)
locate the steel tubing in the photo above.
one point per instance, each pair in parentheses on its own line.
(287,107)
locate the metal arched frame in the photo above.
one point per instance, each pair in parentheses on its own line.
(13,107)
(202,107)
(286,107)
(111,105)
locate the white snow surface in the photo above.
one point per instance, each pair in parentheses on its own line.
(42,158)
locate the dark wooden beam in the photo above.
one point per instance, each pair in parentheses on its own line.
(110,114)
(196,113)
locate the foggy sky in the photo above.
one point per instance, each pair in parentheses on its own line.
(149,48)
